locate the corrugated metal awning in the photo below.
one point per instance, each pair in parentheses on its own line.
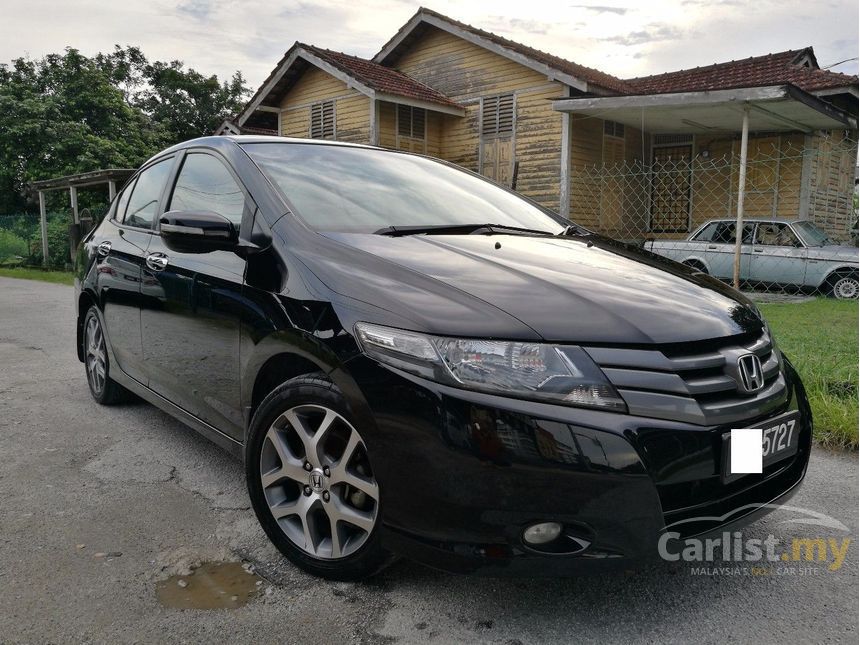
(780,108)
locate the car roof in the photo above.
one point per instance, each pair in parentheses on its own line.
(222,141)
(758,220)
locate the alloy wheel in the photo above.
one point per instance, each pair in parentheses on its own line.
(846,288)
(317,481)
(96,356)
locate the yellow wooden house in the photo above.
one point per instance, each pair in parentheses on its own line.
(631,157)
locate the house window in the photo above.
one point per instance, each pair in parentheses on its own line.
(411,121)
(322,120)
(613,129)
(497,115)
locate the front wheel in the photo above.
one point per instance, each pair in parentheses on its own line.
(845,287)
(311,483)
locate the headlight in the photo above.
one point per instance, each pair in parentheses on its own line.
(559,374)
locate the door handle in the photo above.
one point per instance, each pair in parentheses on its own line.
(758,250)
(712,247)
(156,261)
(103,249)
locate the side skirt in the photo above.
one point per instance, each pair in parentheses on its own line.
(211,433)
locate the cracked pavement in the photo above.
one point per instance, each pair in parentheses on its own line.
(78,479)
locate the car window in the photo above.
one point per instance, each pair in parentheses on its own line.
(724,233)
(812,235)
(122,202)
(360,190)
(776,234)
(205,184)
(707,233)
(143,203)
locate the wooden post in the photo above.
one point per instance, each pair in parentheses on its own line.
(111,190)
(374,122)
(43,218)
(564,177)
(73,194)
(742,180)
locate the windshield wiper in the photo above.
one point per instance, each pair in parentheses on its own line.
(457,229)
(575,230)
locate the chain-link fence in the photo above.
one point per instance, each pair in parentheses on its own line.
(21,237)
(800,208)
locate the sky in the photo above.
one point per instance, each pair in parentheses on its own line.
(623,37)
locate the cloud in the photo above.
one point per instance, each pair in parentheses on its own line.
(596,8)
(198,9)
(650,34)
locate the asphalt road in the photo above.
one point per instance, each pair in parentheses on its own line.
(77,480)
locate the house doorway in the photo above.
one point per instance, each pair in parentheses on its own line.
(671,188)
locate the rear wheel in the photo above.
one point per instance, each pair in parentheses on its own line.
(845,286)
(311,483)
(104,389)
(696,266)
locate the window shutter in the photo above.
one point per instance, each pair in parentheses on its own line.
(404,120)
(322,120)
(613,129)
(497,116)
(410,121)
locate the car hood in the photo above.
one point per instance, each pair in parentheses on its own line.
(565,289)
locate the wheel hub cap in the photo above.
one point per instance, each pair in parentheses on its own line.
(317,480)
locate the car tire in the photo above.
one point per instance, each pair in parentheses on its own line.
(104,389)
(314,494)
(696,266)
(845,286)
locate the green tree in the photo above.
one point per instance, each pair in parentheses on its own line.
(68,113)
(63,115)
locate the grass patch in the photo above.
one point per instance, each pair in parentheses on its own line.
(57,277)
(820,337)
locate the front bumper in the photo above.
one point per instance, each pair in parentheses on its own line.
(463,473)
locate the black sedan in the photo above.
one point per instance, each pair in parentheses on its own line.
(412,360)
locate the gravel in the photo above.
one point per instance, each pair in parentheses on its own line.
(81,481)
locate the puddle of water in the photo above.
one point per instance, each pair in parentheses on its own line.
(213,585)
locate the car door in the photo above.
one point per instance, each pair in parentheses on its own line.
(719,248)
(119,262)
(193,302)
(778,255)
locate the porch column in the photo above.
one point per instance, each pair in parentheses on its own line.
(742,180)
(43,219)
(73,194)
(111,190)
(374,121)
(564,178)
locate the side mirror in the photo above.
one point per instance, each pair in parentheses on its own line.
(198,232)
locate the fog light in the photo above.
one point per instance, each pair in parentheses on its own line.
(542,533)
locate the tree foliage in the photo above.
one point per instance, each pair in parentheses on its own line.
(68,113)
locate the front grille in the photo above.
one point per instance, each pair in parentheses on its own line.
(688,383)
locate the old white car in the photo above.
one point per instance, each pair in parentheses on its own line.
(774,252)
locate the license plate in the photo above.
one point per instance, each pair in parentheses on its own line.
(780,438)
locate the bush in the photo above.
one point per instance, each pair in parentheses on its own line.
(12,246)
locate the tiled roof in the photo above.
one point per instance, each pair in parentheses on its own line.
(772,69)
(589,75)
(379,78)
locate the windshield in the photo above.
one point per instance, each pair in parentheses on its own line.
(811,234)
(360,190)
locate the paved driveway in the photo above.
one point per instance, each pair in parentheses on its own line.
(78,481)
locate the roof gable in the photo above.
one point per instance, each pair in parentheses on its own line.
(796,67)
(367,77)
(577,76)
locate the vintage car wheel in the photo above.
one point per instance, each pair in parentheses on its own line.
(845,287)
